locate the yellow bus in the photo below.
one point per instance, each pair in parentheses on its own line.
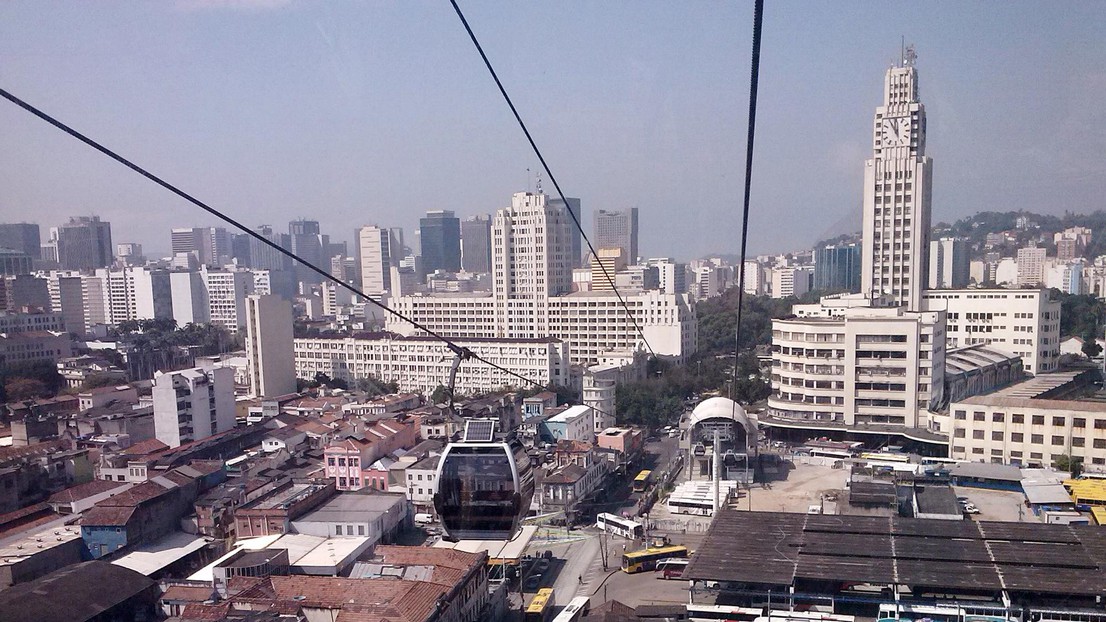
(642,481)
(540,608)
(646,559)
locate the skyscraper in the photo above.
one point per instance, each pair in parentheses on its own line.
(949,263)
(897,189)
(83,243)
(476,244)
(440,234)
(575,238)
(837,268)
(22,237)
(617,229)
(269,360)
(377,251)
(210,245)
(309,244)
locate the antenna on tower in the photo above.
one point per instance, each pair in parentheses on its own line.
(910,56)
(902,50)
(539,182)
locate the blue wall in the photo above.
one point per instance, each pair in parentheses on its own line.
(101,541)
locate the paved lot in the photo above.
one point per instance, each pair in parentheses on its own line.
(1000,505)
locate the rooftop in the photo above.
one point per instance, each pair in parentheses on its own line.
(78,592)
(85,490)
(354,507)
(772,548)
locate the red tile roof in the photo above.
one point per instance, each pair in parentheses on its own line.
(382,599)
(205,613)
(107,516)
(145,448)
(188,593)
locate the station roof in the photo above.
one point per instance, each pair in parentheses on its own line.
(955,556)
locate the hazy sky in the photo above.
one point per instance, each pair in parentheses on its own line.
(374,112)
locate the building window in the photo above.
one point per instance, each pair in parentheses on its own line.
(1017,437)
(338,530)
(1078,422)
(330,461)
(998,417)
(1059,421)
(1038,419)
(996,436)
(979,416)
(1018,419)
(342,482)
(1037,439)
(1077,441)
(360,530)
(959,433)
(1099,443)
(977,434)
(960,414)
(1100,424)
(1057,440)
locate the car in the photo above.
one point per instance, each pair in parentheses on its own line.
(533,582)
(541,566)
(969,508)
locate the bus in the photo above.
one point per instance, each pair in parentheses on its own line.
(540,608)
(646,559)
(642,481)
(631,530)
(722,613)
(942,613)
(885,457)
(672,568)
(575,609)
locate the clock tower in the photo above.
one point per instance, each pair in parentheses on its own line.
(897,194)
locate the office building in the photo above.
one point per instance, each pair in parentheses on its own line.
(211,246)
(837,268)
(260,256)
(1031,266)
(189,297)
(843,363)
(575,237)
(671,275)
(755,283)
(440,235)
(610,262)
(897,195)
(420,364)
(269,359)
(1025,322)
(308,243)
(377,253)
(791,281)
(949,263)
(226,297)
(83,243)
(617,229)
(13,262)
(476,244)
(129,254)
(22,237)
(193,404)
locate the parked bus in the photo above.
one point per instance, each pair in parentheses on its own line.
(540,608)
(642,481)
(722,613)
(885,457)
(631,530)
(575,609)
(819,452)
(646,559)
(672,568)
(941,613)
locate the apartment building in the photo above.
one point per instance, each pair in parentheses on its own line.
(421,364)
(1025,322)
(193,404)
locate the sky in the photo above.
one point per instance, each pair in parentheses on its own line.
(359,113)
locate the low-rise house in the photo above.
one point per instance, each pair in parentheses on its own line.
(422,483)
(535,405)
(377,516)
(274,512)
(101,396)
(347,458)
(287,438)
(77,499)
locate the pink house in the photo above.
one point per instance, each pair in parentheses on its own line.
(349,460)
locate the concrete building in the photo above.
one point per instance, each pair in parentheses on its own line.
(34,346)
(791,281)
(949,263)
(211,246)
(612,260)
(476,244)
(839,366)
(672,276)
(226,297)
(307,241)
(269,352)
(421,484)
(577,423)
(14,262)
(1031,266)
(1025,322)
(419,364)
(617,229)
(575,237)
(349,458)
(189,297)
(897,194)
(440,236)
(193,404)
(376,516)
(84,243)
(378,251)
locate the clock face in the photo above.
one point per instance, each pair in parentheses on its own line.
(889,133)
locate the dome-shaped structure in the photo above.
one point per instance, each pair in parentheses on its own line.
(721,408)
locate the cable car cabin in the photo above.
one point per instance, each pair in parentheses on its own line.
(485,485)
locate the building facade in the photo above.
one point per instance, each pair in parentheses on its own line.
(949,263)
(1025,322)
(440,236)
(269,353)
(897,194)
(193,404)
(476,244)
(617,229)
(84,243)
(837,268)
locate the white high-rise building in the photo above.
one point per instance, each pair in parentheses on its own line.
(226,297)
(787,282)
(1031,266)
(189,293)
(531,261)
(193,404)
(269,354)
(1025,322)
(897,189)
(377,251)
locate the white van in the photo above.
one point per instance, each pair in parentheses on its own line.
(814,509)
(424,519)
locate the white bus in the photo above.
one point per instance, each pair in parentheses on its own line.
(672,568)
(631,530)
(574,610)
(722,613)
(941,613)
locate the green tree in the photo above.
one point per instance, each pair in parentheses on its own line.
(95,381)
(1064,462)
(440,395)
(22,388)
(1091,348)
